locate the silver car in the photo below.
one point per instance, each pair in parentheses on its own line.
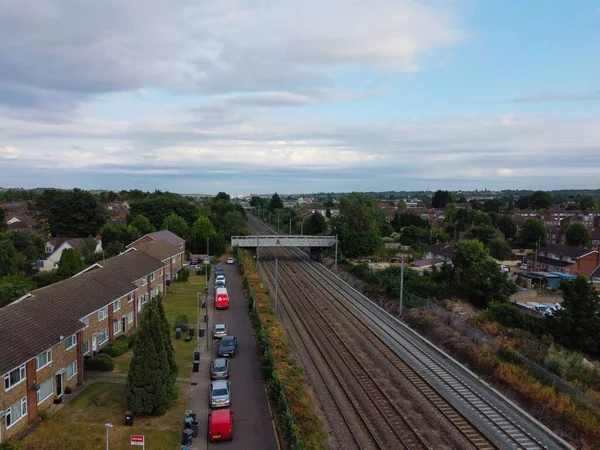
(219,330)
(219,369)
(219,394)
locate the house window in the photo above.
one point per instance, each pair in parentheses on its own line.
(103,336)
(173,260)
(116,327)
(46,390)
(16,412)
(86,321)
(144,281)
(130,297)
(43,359)
(49,248)
(116,305)
(160,272)
(152,276)
(144,299)
(71,341)
(86,347)
(103,313)
(14,377)
(71,370)
(41,263)
(130,317)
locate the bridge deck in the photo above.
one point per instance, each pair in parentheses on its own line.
(280,240)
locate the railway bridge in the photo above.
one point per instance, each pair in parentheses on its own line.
(315,243)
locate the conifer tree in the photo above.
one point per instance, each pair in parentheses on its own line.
(150,386)
(166,332)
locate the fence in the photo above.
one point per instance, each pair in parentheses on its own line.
(275,388)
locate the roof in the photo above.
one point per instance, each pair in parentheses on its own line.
(77,243)
(552,261)
(442,249)
(571,252)
(596,234)
(159,249)
(134,264)
(163,234)
(426,262)
(36,323)
(564,276)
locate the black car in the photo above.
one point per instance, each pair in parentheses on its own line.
(227,346)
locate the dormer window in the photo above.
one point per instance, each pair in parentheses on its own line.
(49,248)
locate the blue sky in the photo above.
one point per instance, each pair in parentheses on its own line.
(324,95)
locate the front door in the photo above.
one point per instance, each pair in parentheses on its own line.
(59,388)
(94,344)
(124,324)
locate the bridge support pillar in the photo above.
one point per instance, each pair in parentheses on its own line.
(316,254)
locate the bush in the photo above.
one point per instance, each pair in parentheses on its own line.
(101,363)
(117,347)
(183,275)
(506,314)
(14,445)
(181,321)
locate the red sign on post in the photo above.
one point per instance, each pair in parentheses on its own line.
(137,439)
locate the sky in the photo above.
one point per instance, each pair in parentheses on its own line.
(261,96)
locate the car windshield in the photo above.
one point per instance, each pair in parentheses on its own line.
(220,327)
(219,367)
(219,392)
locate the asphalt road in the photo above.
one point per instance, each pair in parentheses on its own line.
(252,426)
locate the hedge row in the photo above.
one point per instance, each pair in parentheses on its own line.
(286,383)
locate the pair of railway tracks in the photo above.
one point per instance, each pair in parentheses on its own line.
(346,316)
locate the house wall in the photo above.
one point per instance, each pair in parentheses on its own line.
(61,358)
(587,264)
(51,261)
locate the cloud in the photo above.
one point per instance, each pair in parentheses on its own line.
(79,50)
(9,152)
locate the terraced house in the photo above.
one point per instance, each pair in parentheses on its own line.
(45,335)
(171,255)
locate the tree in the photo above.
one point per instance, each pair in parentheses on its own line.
(328,213)
(3,225)
(199,233)
(235,225)
(478,277)
(150,384)
(14,286)
(532,232)
(112,196)
(541,200)
(176,225)
(587,202)
(166,332)
(275,203)
(358,225)
(507,225)
(11,260)
(142,224)
(578,324)
(404,219)
(440,199)
(75,213)
(483,233)
(500,250)
(157,206)
(493,205)
(577,234)
(70,263)
(315,224)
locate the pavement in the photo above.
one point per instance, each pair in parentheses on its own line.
(253,426)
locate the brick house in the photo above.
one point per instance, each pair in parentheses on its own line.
(42,342)
(562,258)
(596,239)
(167,235)
(170,255)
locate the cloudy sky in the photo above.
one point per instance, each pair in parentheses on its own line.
(198,96)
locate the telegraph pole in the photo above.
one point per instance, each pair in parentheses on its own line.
(276,284)
(257,256)
(401,283)
(336,246)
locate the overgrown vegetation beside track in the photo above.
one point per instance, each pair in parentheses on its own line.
(287,385)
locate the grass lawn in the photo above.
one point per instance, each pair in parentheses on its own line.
(80,424)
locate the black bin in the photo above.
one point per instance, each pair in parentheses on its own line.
(196,367)
(177,333)
(194,428)
(201,332)
(129,418)
(186,439)
(191,332)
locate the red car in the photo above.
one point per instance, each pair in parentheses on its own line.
(220,425)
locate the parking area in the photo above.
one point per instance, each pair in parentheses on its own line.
(253,425)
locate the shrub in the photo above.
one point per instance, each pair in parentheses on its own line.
(181,321)
(506,314)
(183,275)
(68,390)
(101,363)
(117,347)
(487,360)
(12,445)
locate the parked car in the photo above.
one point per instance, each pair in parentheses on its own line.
(219,330)
(219,394)
(504,268)
(227,346)
(195,261)
(220,278)
(523,266)
(219,284)
(220,425)
(206,260)
(219,271)
(230,260)
(219,369)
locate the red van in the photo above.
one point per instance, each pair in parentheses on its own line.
(220,425)
(221,298)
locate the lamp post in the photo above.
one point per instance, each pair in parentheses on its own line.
(290,226)
(108,427)
(401,283)
(198,317)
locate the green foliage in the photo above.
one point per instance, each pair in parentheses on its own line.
(159,205)
(183,274)
(201,230)
(117,347)
(13,287)
(71,262)
(176,224)
(12,445)
(577,326)
(150,387)
(440,199)
(483,233)
(102,362)
(404,219)
(533,230)
(506,314)
(3,225)
(587,202)
(275,203)
(71,214)
(235,224)
(540,200)
(166,332)
(315,224)
(577,234)
(358,225)
(11,261)
(500,250)
(507,225)
(142,224)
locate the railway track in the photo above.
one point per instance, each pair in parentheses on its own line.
(472,407)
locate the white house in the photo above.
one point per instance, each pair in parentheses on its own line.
(55,246)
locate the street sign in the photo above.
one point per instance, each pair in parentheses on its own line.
(137,439)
